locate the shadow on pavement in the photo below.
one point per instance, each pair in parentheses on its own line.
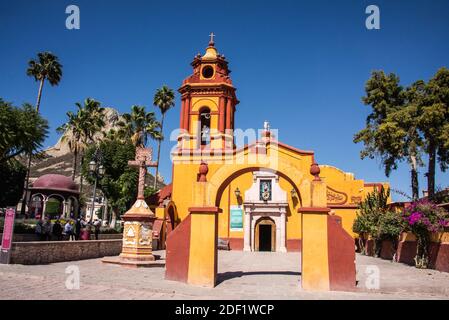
(222,277)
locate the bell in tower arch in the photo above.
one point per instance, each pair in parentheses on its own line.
(208,103)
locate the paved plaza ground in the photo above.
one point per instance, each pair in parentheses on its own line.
(242,275)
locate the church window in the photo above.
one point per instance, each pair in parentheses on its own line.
(208,72)
(205,126)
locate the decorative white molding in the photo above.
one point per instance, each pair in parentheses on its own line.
(255,209)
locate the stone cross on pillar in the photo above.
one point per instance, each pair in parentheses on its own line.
(142,161)
(138,229)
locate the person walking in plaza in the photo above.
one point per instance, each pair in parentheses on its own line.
(68,231)
(46,230)
(78,229)
(97,225)
(84,223)
(39,231)
(57,230)
(85,233)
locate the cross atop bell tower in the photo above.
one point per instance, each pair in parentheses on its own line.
(208,103)
(211,42)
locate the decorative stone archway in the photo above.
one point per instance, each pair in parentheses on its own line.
(327,258)
(273,206)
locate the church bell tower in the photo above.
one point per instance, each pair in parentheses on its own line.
(208,104)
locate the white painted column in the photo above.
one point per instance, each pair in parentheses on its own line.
(278,227)
(253,231)
(247,232)
(65,209)
(282,247)
(44,207)
(105,212)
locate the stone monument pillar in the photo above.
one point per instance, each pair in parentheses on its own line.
(137,249)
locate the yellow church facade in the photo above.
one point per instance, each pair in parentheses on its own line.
(260,189)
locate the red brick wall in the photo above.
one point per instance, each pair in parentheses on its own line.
(294,245)
(441,254)
(387,250)
(341,251)
(438,255)
(177,252)
(236,244)
(369,246)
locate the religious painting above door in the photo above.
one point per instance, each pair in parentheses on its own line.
(265,190)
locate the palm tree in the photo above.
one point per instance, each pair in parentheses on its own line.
(46,67)
(91,118)
(80,130)
(138,126)
(164,99)
(113,135)
(71,131)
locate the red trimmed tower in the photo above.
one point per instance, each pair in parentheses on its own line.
(208,104)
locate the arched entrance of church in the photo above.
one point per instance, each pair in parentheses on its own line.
(264,205)
(327,254)
(265,208)
(265,235)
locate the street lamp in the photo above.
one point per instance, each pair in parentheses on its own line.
(237,193)
(293,193)
(96,171)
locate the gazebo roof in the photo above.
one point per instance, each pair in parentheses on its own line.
(55,182)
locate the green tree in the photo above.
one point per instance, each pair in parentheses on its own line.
(45,67)
(400,136)
(369,215)
(92,118)
(164,99)
(361,227)
(72,131)
(391,225)
(120,180)
(376,220)
(81,129)
(22,130)
(432,99)
(138,126)
(12,177)
(391,131)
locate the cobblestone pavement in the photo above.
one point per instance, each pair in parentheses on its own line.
(242,275)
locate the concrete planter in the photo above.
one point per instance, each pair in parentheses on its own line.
(45,252)
(33,237)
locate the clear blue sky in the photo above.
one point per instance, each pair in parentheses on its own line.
(302,65)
